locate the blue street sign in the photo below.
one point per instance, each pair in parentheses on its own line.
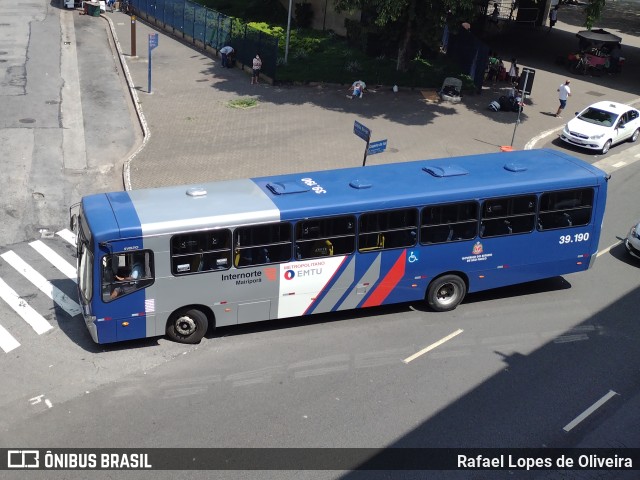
(153,41)
(361,131)
(377,147)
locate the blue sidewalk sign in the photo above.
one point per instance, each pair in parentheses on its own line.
(153,41)
(377,147)
(361,131)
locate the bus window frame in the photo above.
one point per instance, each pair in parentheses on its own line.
(127,286)
(204,255)
(261,250)
(324,244)
(381,236)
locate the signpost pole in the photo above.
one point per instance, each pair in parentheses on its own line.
(133,35)
(149,75)
(153,43)
(524,95)
(366,150)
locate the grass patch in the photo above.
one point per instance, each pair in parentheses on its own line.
(243,103)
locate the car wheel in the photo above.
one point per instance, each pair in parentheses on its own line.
(606,147)
(187,326)
(446,292)
(635,135)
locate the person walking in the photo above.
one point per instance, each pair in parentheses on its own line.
(564,93)
(257,65)
(226,53)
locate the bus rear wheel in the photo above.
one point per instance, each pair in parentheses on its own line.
(187,326)
(446,292)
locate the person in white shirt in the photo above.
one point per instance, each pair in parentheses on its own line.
(564,92)
(257,65)
(226,53)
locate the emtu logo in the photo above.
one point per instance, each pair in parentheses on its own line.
(289,274)
(270,273)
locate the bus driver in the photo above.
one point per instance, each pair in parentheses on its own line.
(136,273)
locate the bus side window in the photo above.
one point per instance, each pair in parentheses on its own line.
(124,273)
(564,209)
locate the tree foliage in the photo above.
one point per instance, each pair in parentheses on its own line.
(593,12)
(414,24)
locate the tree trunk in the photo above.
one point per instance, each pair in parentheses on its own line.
(403,48)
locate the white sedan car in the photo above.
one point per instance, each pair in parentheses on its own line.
(632,242)
(601,125)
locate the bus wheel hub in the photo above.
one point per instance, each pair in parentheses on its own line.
(185,326)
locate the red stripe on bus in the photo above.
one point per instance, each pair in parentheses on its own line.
(388,283)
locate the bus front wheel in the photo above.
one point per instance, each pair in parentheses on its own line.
(446,292)
(187,326)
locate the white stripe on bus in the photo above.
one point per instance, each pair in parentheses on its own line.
(22,308)
(44,285)
(67,235)
(56,260)
(7,341)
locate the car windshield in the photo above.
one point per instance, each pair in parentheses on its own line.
(598,117)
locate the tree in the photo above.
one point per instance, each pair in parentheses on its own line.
(593,12)
(414,23)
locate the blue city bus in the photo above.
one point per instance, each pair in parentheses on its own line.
(179,260)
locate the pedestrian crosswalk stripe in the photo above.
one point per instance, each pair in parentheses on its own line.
(67,235)
(7,342)
(22,308)
(55,259)
(45,286)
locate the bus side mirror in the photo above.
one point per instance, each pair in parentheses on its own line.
(73,223)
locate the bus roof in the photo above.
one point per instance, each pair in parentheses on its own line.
(429,181)
(349,190)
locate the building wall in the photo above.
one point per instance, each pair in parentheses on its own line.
(324,15)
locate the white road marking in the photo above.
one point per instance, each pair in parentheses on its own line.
(22,308)
(67,235)
(432,346)
(532,143)
(608,249)
(44,285)
(619,164)
(56,260)
(7,341)
(589,411)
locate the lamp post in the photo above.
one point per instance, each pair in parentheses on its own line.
(286,45)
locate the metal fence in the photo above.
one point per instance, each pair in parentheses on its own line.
(211,29)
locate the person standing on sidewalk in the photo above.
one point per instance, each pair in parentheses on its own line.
(257,65)
(564,93)
(553,17)
(226,52)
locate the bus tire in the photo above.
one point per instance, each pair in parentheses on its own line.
(446,292)
(187,326)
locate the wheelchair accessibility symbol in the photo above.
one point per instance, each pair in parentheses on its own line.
(413,257)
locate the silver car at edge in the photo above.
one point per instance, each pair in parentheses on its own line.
(632,242)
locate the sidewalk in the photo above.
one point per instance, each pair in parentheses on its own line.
(196,137)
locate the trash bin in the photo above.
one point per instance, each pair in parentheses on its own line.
(92,8)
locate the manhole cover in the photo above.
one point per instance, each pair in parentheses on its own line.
(27,120)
